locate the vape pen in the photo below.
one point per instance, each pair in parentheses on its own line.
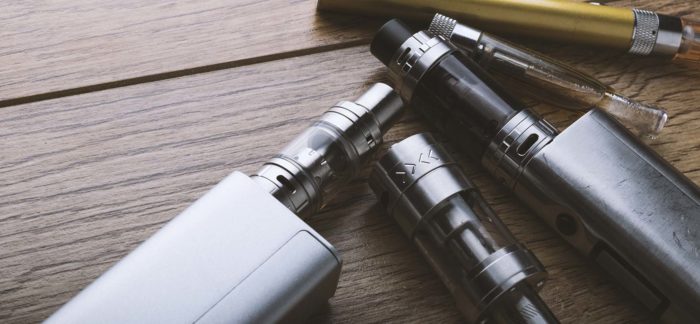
(491,276)
(240,254)
(544,78)
(637,31)
(596,184)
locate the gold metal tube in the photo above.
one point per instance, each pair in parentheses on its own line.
(553,19)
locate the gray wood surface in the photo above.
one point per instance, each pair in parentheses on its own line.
(89,175)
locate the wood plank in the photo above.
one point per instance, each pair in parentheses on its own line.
(87,178)
(53,46)
(58,48)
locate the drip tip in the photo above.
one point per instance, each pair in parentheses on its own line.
(388,39)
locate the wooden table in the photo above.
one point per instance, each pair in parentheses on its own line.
(117,115)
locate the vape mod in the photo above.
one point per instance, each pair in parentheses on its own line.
(240,254)
(637,31)
(596,184)
(491,276)
(544,78)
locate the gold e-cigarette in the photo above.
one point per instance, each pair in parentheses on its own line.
(637,31)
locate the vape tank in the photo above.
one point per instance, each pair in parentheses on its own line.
(595,183)
(547,79)
(491,276)
(331,151)
(239,254)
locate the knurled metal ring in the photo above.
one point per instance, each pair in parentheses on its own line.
(646,28)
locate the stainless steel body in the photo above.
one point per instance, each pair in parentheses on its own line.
(655,33)
(240,254)
(237,255)
(600,187)
(492,277)
(616,201)
(331,151)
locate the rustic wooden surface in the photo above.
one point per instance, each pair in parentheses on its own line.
(118,116)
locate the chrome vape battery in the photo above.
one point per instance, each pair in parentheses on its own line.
(491,276)
(240,254)
(596,184)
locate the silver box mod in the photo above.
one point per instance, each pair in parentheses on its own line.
(614,199)
(235,247)
(241,254)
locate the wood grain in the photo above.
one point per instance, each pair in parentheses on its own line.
(86,178)
(58,48)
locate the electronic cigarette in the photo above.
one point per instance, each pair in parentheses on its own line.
(637,31)
(239,254)
(547,79)
(492,277)
(595,183)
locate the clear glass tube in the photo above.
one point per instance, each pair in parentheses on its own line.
(535,75)
(538,76)
(690,44)
(471,232)
(492,277)
(322,152)
(330,152)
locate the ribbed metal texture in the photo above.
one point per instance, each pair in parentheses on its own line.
(646,27)
(442,26)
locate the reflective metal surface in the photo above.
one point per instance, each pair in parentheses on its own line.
(331,151)
(596,184)
(669,36)
(646,27)
(491,275)
(237,255)
(535,75)
(413,59)
(656,33)
(234,256)
(624,206)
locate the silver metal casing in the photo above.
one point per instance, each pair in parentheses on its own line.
(331,151)
(615,200)
(597,184)
(491,276)
(655,33)
(237,255)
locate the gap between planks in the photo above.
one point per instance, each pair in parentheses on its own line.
(180,73)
